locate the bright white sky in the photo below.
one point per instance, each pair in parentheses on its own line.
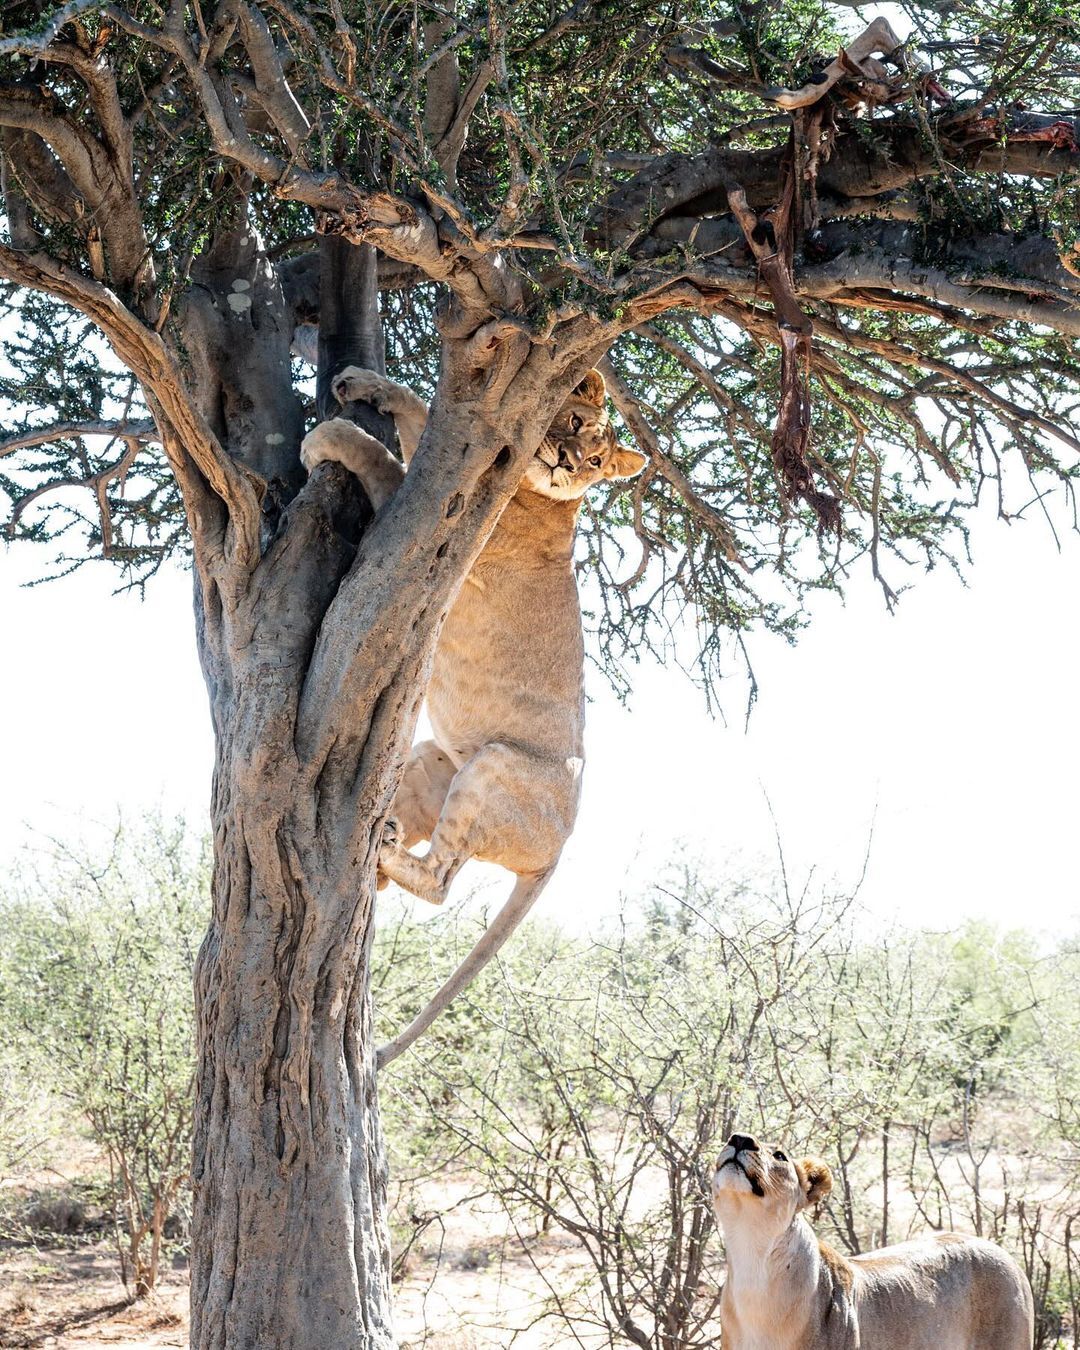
(957,722)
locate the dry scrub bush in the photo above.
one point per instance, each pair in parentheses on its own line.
(588,1085)
(96,959)
(24,1115)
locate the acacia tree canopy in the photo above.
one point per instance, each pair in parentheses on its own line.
(558,177)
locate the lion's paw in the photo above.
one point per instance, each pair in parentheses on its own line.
(365,386)
(315,447)
(392,833)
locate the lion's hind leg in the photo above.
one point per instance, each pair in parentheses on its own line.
(422,794)
(504,806)
(420,798)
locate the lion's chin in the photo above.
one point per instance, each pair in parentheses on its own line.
(731,1177)
(556,483)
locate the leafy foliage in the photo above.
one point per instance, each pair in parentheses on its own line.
(936,386)
(57,371)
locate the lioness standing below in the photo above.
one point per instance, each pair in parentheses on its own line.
(500,781)
(786,1290)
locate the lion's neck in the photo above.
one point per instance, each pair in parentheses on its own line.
(771,1285)
(535,528)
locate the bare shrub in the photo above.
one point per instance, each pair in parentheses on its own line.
(591,1083)
(96,959)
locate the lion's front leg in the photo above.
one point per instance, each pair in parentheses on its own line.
(395,400)
(343,442)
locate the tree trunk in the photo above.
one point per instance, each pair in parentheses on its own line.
(290,1179)
(291,1247)
(290,1241)
(316,655)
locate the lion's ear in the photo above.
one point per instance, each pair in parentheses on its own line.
(624,463)
(592,388)
(818,1180)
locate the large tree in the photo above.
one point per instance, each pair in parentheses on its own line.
(833,283)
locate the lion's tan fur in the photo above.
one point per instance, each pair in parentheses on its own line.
(500,779)
(786,1290)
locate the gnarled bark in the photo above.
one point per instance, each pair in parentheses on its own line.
(316,659)
(291,1248)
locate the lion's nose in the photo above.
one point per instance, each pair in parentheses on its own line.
(743,1143)
(565,461)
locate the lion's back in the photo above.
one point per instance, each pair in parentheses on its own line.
(947,1291)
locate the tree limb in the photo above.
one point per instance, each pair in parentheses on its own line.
(129,431)
(209,469)
(631,413)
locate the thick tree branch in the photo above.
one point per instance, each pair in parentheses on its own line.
(95,187)
(36,44)
(858,275)
(884,264)
(442,75)
(896,156)
(237,329)
(203,467)
(271,86)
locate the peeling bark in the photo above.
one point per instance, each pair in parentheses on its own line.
(771,236)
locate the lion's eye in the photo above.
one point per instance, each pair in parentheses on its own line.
(594,460)
(780,1157)
(575,423)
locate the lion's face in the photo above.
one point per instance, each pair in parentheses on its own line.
(759,1184)
(580,447)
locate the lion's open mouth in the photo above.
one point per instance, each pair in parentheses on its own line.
(755,1185)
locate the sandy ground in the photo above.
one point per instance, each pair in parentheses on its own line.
(467,1295)
(471,1283)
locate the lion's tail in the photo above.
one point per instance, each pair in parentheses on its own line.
(518,904)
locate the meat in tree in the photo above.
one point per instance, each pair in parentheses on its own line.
(832,280)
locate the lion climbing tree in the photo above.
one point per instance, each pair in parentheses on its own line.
(830,272)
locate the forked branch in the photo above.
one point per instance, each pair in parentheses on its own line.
(207,475)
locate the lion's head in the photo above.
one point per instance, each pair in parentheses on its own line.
(580,447)
(759,1184)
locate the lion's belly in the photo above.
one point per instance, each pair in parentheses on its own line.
(509,665)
